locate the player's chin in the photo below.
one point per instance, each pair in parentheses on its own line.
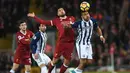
(24,29)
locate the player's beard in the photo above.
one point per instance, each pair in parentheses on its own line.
(87,19)
(62,15)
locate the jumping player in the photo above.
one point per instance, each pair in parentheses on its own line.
(65,42)
(85,28)
(22,53)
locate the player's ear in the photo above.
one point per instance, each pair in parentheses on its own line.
(19,27)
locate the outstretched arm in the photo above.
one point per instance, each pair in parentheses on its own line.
(41,21)
(100,34)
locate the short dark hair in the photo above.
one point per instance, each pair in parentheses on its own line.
(83,12)
(38,25)
(22,21)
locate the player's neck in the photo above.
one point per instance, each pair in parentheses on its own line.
(85,20)
(64,17)
(41,31)
(23,32)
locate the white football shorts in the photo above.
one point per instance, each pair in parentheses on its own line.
(42,59)
(84,51)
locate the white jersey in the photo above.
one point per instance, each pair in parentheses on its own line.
(84,32)
(83,41)
(38,42)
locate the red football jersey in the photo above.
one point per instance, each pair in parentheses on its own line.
(21,39)
(65,34)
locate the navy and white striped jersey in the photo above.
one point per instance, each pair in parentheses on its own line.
(38,42)
(85,29)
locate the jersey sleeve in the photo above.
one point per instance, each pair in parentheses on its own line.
(95,24)
(45,22)
(33,45)
(21,40)
(72,19)
(75,25)
(31,34)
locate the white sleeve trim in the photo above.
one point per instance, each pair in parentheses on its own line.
(51,22)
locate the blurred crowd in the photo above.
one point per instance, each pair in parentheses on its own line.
(10,12)
(5,62)
(115,26)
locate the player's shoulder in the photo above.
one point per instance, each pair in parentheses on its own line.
(93,19)
(72,17)
(78,22)
(29,31)
(17,33)
(37,33)
(56,18)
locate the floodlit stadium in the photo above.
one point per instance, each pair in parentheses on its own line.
(102,26)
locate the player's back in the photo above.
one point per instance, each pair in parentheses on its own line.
(65,34)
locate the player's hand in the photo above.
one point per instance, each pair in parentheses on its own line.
(31,14)
(71,22)
(36,55)
(102,39)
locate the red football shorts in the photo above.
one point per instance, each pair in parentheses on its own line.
(22,57)
(65,49)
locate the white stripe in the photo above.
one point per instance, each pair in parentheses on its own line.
(44,39)
(87,33)
(51,22)
(38,45)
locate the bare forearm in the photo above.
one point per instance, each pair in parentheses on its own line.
(100,34)
(99,31)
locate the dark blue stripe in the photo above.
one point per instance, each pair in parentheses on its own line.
(84,33)
(40,42)
(81,32)
(89,31)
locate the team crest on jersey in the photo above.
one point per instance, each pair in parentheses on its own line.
(20,37)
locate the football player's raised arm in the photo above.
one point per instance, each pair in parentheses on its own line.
(45,22)
(98,30)
(34,46)
(41,21)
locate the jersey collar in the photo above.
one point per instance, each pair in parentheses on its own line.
(23,32)
(84,20)
(63,17)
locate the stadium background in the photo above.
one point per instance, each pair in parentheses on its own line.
(113,17)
